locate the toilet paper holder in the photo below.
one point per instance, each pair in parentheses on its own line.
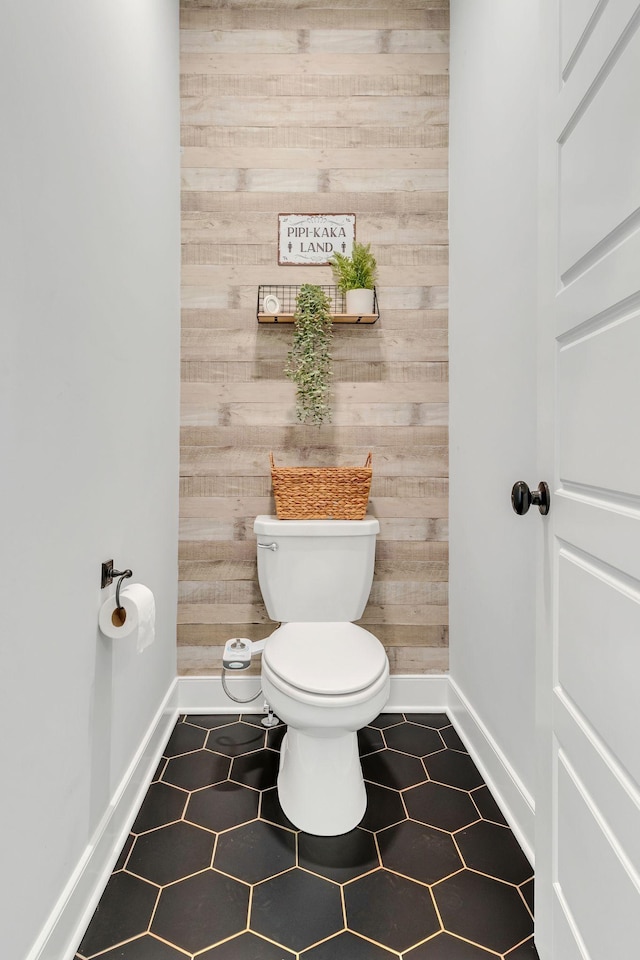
(108,575)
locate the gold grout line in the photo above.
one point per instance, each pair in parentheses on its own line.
(186,753)
(342,883)
(272,823)
(473,943)
(466,826)
(390,727)
(404,806)
(344,908)
(318,943)
(249,907)
(442,783)
(376,943)
(431,826)
(490,876)
(161,826)
(378,851)
(379,869)
(455,873)
(457,936)
(139,876)
(126,860)
(263,936)
(529,910)
(236,826)
(197,874)
(426,773)
(217,943)
(431,936)
(356,933)
(516,945)
(199,826)
(321,876)
(258,883)
(451,786)
(424,726)
(476,806)
(422,883)
(138,937)
(166,761)
(114,946)
(496,823)
(186,802)
(223,873)
(170,944)
(457,846)
(461,753)
(208,786)
(405,753)
(198,726)
(154,911)
(214,851)
(247,929)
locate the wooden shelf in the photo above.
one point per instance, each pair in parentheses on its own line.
(337,318)
(286,297)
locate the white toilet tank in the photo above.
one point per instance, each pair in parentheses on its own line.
(315,570)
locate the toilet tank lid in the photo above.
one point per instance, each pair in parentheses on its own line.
(273,527)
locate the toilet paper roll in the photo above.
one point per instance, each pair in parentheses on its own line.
(137,614)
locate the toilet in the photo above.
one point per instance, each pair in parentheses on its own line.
(323,675)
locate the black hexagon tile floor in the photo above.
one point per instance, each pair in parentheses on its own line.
(214,870)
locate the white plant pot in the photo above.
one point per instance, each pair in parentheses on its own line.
(360,303)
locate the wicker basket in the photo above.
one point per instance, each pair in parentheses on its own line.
(321,493)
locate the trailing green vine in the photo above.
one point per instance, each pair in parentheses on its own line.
(309,360)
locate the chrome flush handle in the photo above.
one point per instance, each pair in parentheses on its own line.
(268,546)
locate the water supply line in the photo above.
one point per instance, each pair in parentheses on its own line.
(237,656)
(232,696)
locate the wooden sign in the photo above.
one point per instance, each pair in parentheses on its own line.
(313,238)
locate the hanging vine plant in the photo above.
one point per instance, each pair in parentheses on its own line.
(309,360)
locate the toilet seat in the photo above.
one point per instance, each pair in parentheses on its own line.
(323,661)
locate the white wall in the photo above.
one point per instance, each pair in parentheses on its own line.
(493,382)
(89,280)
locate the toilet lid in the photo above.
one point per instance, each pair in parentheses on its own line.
(326,658)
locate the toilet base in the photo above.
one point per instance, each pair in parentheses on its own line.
(320,784)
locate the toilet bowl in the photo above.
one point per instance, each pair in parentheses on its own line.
(323,675)
(325,694)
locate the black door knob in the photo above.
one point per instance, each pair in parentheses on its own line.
(522,497)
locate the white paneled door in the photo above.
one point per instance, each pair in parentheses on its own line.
(588,796)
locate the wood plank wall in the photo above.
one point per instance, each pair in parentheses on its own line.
(313,106)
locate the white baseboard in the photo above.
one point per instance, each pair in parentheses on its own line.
(70,917)
(419,693)
(510,793)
